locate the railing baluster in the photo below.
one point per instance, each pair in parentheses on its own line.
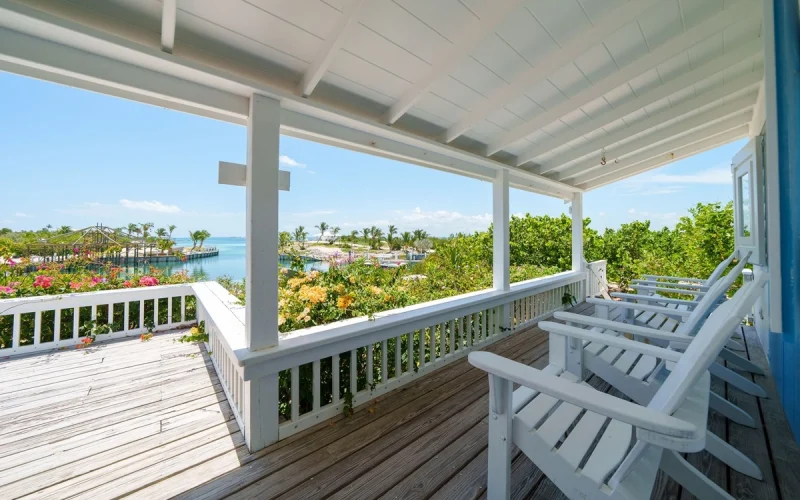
(169,310)
(76,323)
(442,338)
(57,326)
(315,384)
(461,340)
(141,314)
(94,313)
(335,383)
(385,361)
(183,308)
(473,330)
(126,316)
(37,327)
(15,331)
(155,313)
(295,382)
(111,316)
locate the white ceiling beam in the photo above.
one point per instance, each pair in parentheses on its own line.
(683,81)
(759,112)
(744,82)
(169,16)
(698,147)
(461,48)
(662,53)
(609,24)
(734,112)
(665,149)
(333,42)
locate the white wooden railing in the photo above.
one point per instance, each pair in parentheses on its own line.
(596,279)
(316,373)
(54,321)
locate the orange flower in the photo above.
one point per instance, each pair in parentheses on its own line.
(344,301)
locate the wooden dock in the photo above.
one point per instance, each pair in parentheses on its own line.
(149,420)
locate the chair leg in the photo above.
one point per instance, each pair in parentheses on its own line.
(500,438)
(737,380)
(730,411)
(741,362)
(734,458)
(690,478)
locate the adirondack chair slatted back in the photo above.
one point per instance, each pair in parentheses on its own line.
(705,347)
(710,300)
(721,267)
(695,361)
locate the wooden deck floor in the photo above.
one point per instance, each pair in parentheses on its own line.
(150,420)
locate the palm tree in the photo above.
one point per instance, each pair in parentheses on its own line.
(171,228)
(323,226)
(419,234)
(377,235)
(193,235)
(133,229)
(146,227)
(334,232)
(64,230)
(390,234)
(161,233)
(408,239)
(366,234)
(300,235)
(354,235)
(203,236)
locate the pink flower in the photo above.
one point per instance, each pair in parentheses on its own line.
(127,284)
(75,285)
(96,279)
(148,281)
(7,290)
(11,262)
(43,281)
(14,284)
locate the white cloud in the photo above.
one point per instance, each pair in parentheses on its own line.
(150,206)
(20,214)
(601,214)
(714,175)
(631,210)
(290,162)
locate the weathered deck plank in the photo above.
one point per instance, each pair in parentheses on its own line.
(149,420)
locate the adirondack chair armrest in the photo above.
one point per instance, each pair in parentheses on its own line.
(586,397)
(666,311)
(672,278)
(664,289)
(616,326)
(610,340)
(669,284)
(653,298)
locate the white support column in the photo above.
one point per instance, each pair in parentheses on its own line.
(262,183)
(500,239)
(261,311)
(576,210)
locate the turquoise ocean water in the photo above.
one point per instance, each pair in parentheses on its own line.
(230,262)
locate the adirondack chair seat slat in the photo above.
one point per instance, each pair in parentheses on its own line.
(523,395)
(575,446)
(609,452)
(534,413)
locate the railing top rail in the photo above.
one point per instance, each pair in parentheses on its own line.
(391,323)
(99,297)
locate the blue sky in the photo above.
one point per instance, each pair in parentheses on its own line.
(77,158)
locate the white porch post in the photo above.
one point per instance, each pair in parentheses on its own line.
(576,210)
(261,310)
(500,239)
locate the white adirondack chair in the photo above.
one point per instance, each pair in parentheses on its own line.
(639,375)
(557,427)
(627,371)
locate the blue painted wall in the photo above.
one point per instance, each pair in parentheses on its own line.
(784,353)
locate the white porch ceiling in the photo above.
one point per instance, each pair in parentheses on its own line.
(538,87)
